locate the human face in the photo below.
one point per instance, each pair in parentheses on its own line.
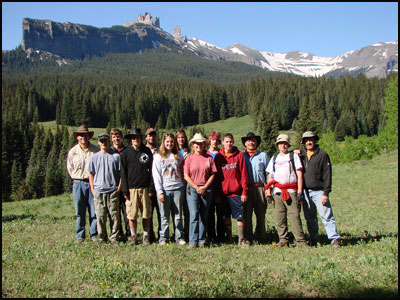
(251,144)
(151,138)
(136,140)
(283,147)
(180,138)
(214,143)
(104,144)
(83,139)
(117,140)
(169,143)
(309,143)
(228,144)
(198,147)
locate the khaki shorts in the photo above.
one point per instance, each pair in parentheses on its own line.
(139,199)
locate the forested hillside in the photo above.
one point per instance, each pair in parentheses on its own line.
(159,90)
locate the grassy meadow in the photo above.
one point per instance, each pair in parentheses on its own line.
(40,257)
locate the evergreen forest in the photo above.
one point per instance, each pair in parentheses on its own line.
(164,90)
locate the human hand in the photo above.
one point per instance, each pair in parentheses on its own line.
(161,197)
(201,190)
(243,198)
(325,200)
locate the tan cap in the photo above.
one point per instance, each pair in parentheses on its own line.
(283,138)
(150,130)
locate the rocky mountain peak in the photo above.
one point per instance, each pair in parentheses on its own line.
(146,19)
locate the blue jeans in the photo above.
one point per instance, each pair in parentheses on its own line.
(312,204)
(173,201)
(198,210)
(83,199)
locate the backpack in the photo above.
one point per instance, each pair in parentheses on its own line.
(291,157)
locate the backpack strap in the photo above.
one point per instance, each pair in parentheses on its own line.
(291,157)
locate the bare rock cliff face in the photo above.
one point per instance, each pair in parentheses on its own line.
(75,41)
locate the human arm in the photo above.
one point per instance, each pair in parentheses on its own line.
(91,177)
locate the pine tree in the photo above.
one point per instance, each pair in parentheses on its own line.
(268,129)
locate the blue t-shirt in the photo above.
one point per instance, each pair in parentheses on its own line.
(105,168)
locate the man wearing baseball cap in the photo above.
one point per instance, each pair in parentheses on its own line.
(317,186)
(105,184)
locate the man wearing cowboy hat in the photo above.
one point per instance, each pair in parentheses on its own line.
(256,164)
(286,180)
(78,168)
(317,186)
(136,180)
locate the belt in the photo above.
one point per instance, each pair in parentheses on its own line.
(259,184)
(85,180)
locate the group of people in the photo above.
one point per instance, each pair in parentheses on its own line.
(201,186)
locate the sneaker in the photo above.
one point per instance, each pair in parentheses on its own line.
(162,243)
(146,240)
(192,246)
(113,242)
(94,238)
(132,240)
(181,242)
(79,240)
(336,243)
(243,243)
(282,244)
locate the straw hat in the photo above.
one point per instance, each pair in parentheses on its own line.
(283,138)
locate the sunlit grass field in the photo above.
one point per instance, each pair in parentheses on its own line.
(40,257)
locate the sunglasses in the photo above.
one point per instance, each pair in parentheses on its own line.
(168,135)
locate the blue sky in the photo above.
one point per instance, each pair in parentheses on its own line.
(324,29)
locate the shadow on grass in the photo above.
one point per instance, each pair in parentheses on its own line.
(9,218)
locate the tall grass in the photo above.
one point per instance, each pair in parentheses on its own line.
(41,259)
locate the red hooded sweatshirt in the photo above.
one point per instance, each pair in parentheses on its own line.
(232,173)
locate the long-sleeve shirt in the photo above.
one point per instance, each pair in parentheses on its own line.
(317,171)
(136,169)
(167,172)
(78,161)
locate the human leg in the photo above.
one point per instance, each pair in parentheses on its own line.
(281,219)
(310,214)
(193,201)
(176,203)
(101,214)
(295,221)
(80,209)
(113,208)
(165,208)
(260,209)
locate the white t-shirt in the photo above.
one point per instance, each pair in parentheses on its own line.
(284,172)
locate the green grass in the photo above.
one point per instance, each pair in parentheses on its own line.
(41,259)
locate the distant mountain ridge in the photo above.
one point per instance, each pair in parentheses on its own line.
(75,41)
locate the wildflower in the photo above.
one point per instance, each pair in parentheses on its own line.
(287,263)
(316,272)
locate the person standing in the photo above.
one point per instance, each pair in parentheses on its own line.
(118,147)
(168,182)
(78,168)
(182,142)
(286,179)
(317,186)
(233,177)
(215,208)
(256,164)
(105,184)
(136,180)
(199,172)
(151,143)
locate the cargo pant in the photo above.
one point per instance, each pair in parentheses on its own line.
(255,201)
(107,204)
(282,210)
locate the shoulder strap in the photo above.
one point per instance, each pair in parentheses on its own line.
(273,161)
(291,157)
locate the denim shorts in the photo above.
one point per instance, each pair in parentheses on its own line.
(236,207)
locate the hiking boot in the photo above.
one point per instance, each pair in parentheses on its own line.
(132,240)
(243,243)
(302,245)
(192,246)
(282,244)
(336,243)
(162,243)
(146,240)
(181,242)
(79,240)
(203,244)
(113,242)
(94,238)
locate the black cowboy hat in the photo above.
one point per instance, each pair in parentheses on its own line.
(133,132)
(251,135)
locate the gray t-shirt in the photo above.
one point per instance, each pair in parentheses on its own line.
(105,168)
